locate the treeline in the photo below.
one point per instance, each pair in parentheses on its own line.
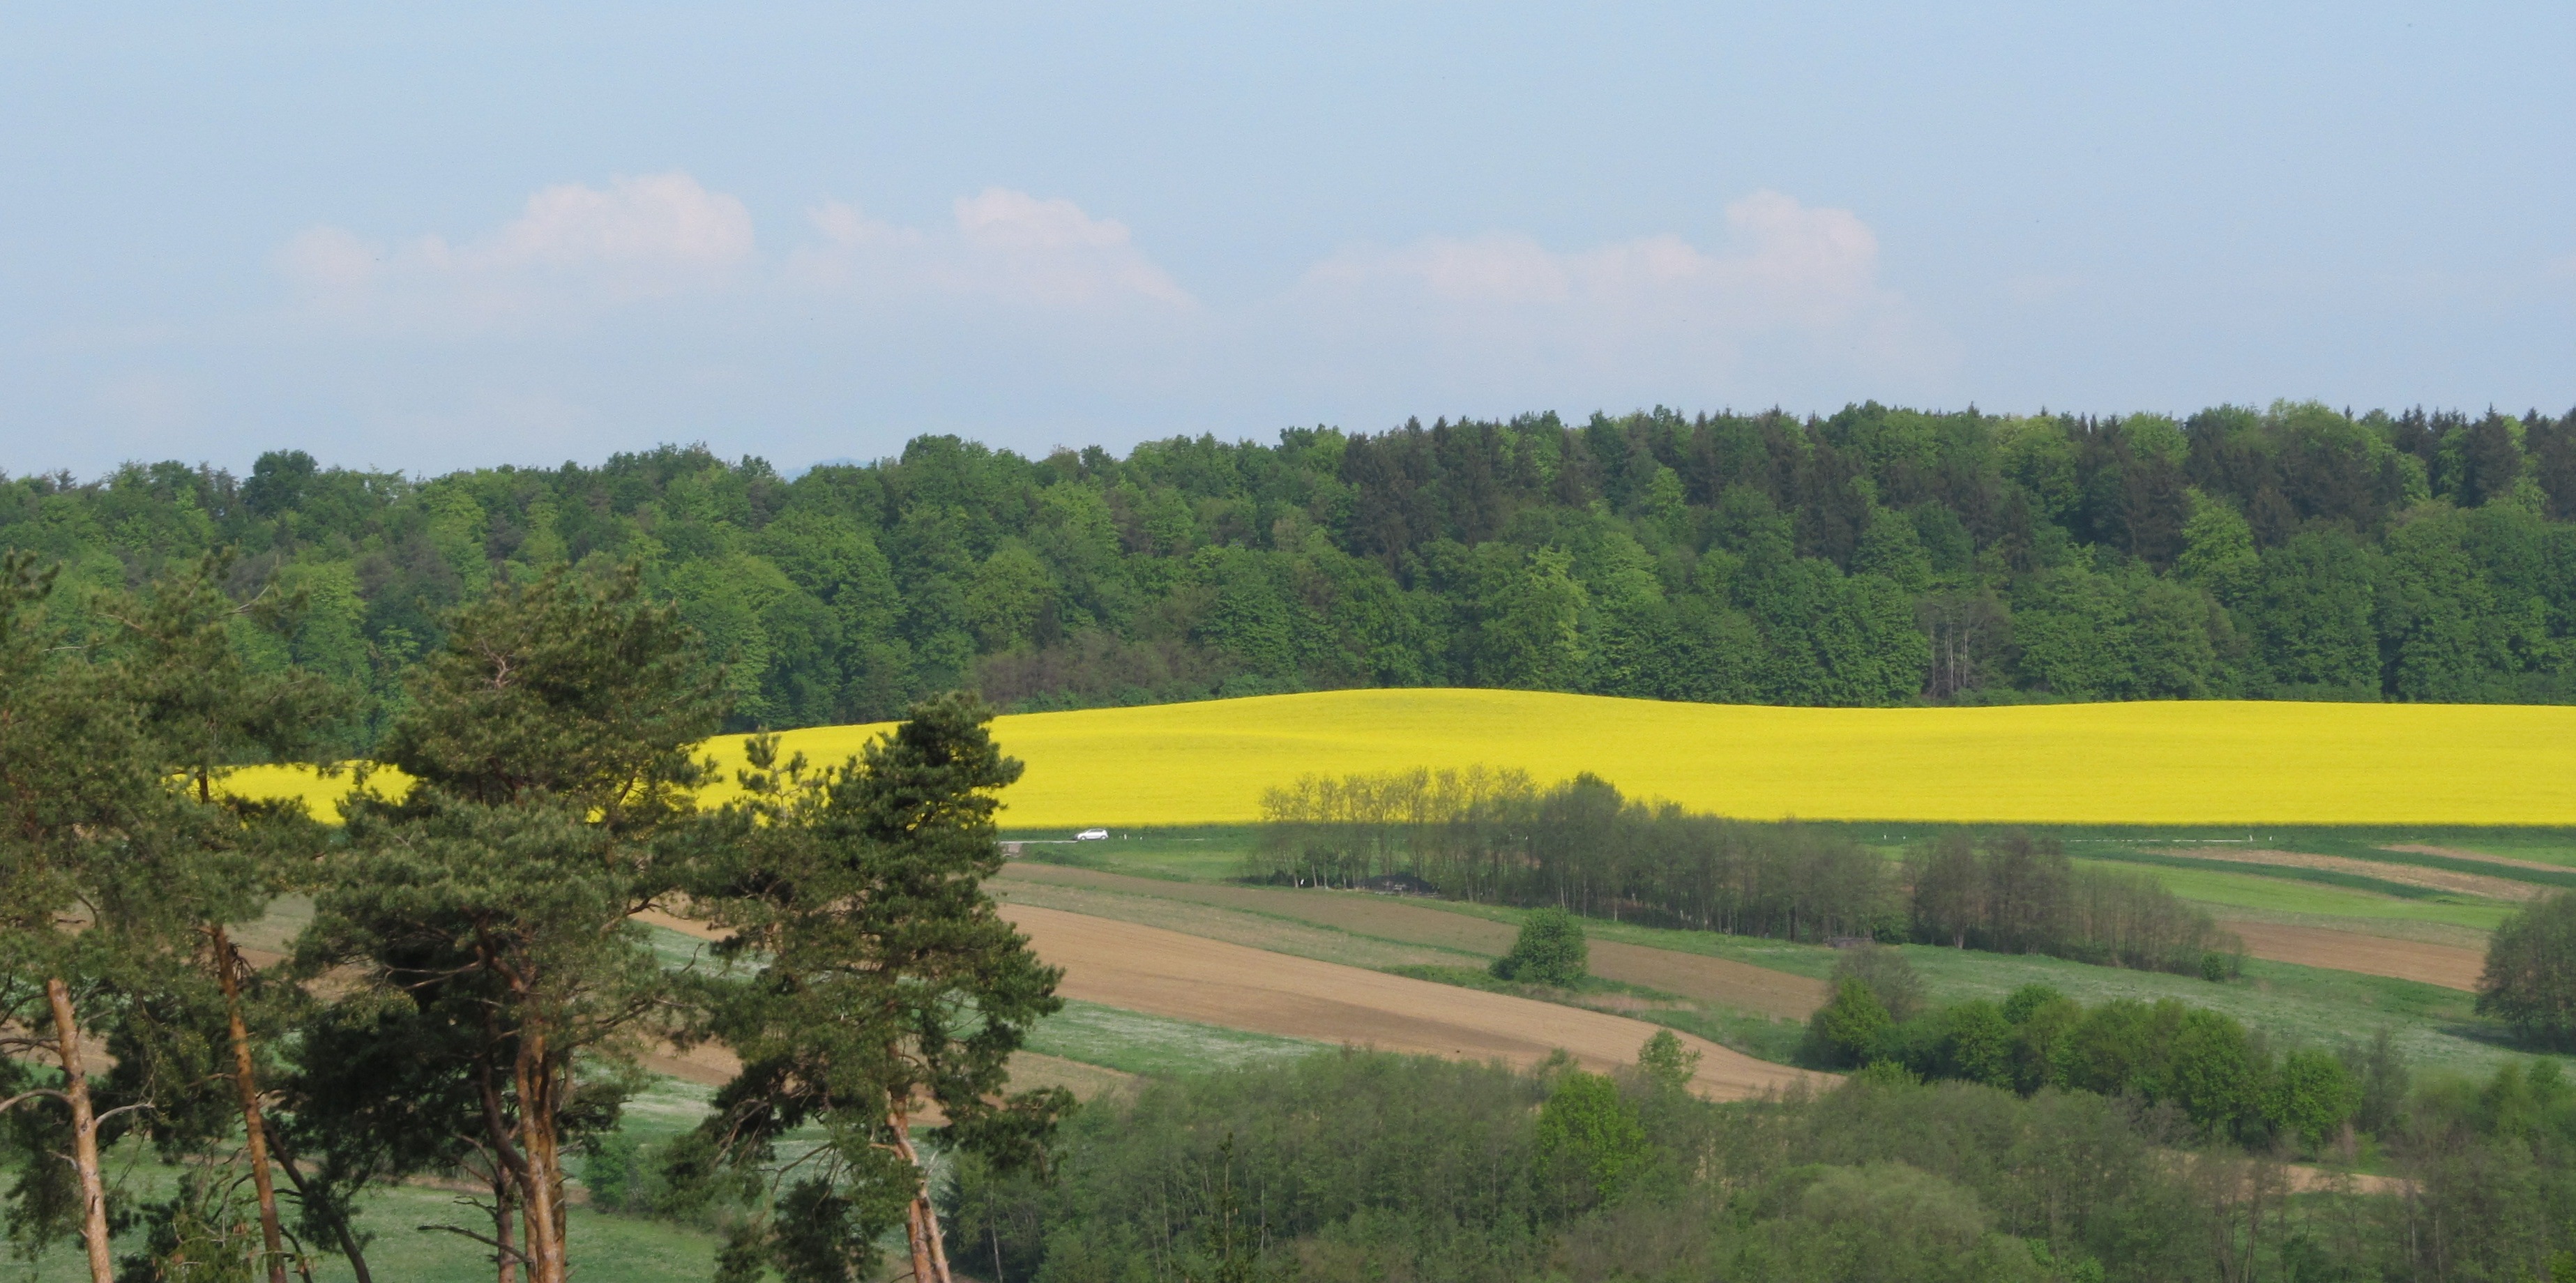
(1496,837)
(473,992)
(2226,1081)
(1352,1166)
(1875,556)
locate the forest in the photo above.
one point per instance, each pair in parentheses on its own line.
(1875,556)
(1356,1166)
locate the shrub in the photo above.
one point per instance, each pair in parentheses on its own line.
(1550,951)
(1844,1031)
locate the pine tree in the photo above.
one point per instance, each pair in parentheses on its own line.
(882,982)
(549,745)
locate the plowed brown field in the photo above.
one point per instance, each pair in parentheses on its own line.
(1186,977)
(1735,984)
(2449,966)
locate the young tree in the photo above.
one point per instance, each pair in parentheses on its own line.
(883,982)
(549,745)
(2530,979)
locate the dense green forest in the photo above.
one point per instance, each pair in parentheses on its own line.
(1877,556)
(1355,1166)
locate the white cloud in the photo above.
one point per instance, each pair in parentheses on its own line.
(1791,266)
(1005,246)
(1653,315)
(572,249)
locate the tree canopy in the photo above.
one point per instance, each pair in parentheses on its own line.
(1874,556)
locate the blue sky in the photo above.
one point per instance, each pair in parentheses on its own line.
(430,237)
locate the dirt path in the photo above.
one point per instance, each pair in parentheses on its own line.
(2449,966)
(1186,977)
(1704,979)
(2477,884)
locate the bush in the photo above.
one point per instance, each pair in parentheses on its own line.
(1550,951)
(1846,1029)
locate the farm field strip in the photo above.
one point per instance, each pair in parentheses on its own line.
(2226,890)
(1471,940)
(1192,978)
(2402,873)
(2186,763)
(2449,966)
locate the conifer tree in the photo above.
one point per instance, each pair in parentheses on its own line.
(80,819)
(201,711)
(883,983)
(549,749)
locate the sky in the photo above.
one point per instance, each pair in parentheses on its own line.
(430,237)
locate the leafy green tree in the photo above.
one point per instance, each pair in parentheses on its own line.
(1666,1063)
(2530,977)
(1589,1144)
(2218,549)
(1848,1027)
(1531,636)
(1550,950)
(2208,1068)
(882,982)
(549,749)
(1978,1044)
(2311,1095)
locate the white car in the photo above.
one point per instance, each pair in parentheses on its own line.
(1092,835)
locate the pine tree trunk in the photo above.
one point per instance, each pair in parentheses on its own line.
(505,1212)
(246,1081)
(541,1179)
(921,1220)
(93,1189)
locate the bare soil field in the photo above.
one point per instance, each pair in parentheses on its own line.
(2434,879)
(1188,977)
(1702,979)
(2449,966)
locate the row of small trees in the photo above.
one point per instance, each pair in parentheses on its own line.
(475,986)
(2226,1080)
(1496,836)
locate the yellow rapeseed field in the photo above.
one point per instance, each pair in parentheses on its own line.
(2198,762)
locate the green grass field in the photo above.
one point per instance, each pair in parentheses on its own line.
(1141,1044)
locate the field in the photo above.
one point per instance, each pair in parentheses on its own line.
(1215,982)
(2200,762)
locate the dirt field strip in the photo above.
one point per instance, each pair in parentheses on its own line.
(2455,853)
(1735,984)
(2408,874)
(1187,977)
(2449,966)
